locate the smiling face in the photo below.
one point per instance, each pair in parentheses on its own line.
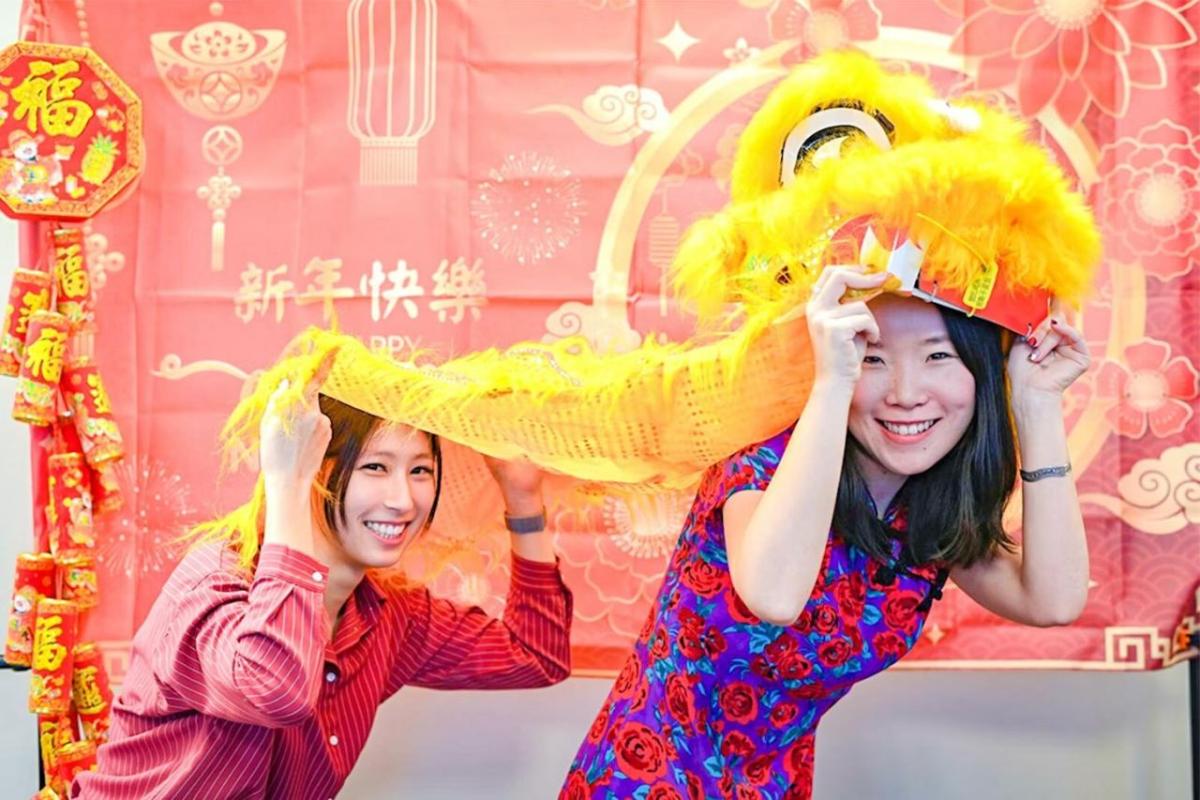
(27,151)
(388,498)
(915,398)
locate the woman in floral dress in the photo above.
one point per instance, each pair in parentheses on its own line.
(810,561)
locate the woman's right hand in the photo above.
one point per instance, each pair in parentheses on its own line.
(840,331)
(292,442)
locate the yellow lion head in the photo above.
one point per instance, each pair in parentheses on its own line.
(843,138)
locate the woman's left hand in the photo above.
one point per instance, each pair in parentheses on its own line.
(520,483)
(1049,360)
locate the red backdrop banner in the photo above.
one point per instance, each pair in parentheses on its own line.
(464,174)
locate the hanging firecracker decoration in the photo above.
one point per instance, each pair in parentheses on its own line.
(71,276)
(106,490)
(53,656)
(73,759)
(91,693)
(69,512)
(77,578)
(70,144)
(34,580)
(36,399)
(30,293)
(55,731)
(91,409)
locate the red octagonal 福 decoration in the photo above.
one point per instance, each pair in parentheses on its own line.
(70,132)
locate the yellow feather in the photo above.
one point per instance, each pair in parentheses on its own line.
(655,418)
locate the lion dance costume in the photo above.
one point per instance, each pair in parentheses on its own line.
(843,154)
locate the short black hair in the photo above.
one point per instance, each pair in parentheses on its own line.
(352,429)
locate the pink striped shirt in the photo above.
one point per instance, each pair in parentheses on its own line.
(235,691)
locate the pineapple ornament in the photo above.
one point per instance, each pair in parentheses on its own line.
(99,160)
(70,132)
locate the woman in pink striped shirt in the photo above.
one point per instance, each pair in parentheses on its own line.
(263,681)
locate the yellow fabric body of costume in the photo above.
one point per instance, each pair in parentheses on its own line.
(965,181)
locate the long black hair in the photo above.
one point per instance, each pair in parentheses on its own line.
(352,429)
(955,507)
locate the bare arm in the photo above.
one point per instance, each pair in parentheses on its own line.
(521,487)
(776,538)
(1046,582)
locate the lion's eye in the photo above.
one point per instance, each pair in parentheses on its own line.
(823,134)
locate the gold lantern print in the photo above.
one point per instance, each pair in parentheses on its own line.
(219,71)
(393,82)
(665,230)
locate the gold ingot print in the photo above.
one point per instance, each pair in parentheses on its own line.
(219,71)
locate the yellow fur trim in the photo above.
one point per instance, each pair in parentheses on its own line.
(649,420)
(655,418)
(999,193)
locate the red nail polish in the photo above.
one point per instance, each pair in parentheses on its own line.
(1032,342)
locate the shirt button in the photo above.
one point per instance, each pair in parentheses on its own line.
(330,677)
(333,740)
(318,577)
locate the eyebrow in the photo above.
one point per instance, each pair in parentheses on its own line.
(937,338)
(374,453)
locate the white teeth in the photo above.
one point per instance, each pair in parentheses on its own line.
(908,429)
(384,530)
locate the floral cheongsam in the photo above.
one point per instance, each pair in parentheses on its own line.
(716,703)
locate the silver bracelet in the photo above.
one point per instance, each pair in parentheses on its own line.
(534,524)
(1046,472)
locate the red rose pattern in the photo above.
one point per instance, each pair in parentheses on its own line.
(576,787)
(743,792)
(663,791)
(640,752)
(710,680)
(784,714)
(661,647)
(851,593)
(835,652)
(739,702)
(824,619)
(629,676)
(759,770)
(703,578)
(736,745)
(900,610)
(596,732)
(679,699)
(889,644)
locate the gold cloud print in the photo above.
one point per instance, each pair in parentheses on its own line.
(1158,496)
(615,115)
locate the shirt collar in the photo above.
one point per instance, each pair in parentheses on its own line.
(361,613)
